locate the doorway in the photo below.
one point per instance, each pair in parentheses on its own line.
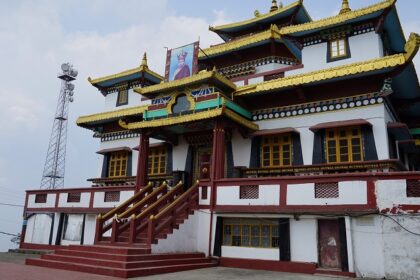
(329,244)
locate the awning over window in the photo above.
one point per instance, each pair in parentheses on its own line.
(154,145)
(274,131)
(111,150)
(326,125)
(399,130)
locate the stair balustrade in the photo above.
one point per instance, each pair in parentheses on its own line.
(102,221)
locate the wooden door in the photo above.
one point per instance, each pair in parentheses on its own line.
(329,244)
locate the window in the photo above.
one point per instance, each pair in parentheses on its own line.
(344,144)
(204,192)
(73,197)
(338,49)
(248,192)
(326,190)
(413,188)
(276,150)
(41,198)
(157,161)
(112,196)
(118,164)
(122,98)
(251,233)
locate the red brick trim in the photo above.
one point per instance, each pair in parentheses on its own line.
(283,194)
(357,208)
(82,190)
(283,266)
(69,210)
(411,208)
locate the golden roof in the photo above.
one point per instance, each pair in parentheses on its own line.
(142,68)
(338,19)
(189,118)
(272,33)
(257,18)
(85,120)
(199,77)
(411,49)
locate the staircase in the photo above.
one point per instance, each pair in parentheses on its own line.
(135,225)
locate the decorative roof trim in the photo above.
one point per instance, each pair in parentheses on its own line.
(201,76)
(142,68)
(189,118)
(255,19)
(86,120)
(265,132)
(112,150)
(288,30)
(411,48)
(272,33)
(347,123)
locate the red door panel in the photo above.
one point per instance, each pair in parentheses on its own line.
(329,244)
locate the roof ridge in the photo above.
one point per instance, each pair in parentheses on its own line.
(337,18)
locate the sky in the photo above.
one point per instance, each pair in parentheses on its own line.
(99,37)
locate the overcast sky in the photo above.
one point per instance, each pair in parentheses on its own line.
(99,38)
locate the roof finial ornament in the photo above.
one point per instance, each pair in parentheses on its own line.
(345,7)
(144,60)
(274,6)
(280,4)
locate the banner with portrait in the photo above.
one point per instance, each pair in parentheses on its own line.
(181,62)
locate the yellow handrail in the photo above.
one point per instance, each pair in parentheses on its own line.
(128,201)
(174,189)
(164,185)
(170,206)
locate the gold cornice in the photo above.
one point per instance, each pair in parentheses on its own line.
(84,120)
(345,70)
(189,118)
(412,46)
(201,76)
(337,19)
(142,68)
(255,19)
(272,33)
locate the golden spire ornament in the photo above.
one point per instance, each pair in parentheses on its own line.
(280,4)
(144,61)
(345,7)
(273,6)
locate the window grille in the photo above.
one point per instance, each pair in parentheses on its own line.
(413,188)
(326,190)
(249,192)
(204,192)
(112,196)
(41,198)
(73,197)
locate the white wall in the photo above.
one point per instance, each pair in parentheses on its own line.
(362,47)
(179,154)
(303,240)
(250,253)
(98,199)
(90,227)
(367,247)
(134,99)
(350,192)
(375,114)
(390,193)
(241,148)
(183,239)
(203,230)
(84,200)
(49,203)
(229,195)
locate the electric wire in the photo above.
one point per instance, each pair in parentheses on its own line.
(10,204)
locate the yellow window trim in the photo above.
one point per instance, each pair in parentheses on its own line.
(250,236)
(335,138)
(157,161)
(337,44)
(118,164)
(271,142)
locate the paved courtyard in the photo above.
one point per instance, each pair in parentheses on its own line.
(12,268)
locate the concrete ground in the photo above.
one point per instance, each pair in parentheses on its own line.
(12,268)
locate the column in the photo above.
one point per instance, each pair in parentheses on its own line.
(142,166)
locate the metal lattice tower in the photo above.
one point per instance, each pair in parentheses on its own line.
(54,168)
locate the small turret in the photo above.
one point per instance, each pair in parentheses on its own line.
(273,6)
(144,61)
(345,7)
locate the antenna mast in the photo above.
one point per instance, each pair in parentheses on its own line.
(53,175)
